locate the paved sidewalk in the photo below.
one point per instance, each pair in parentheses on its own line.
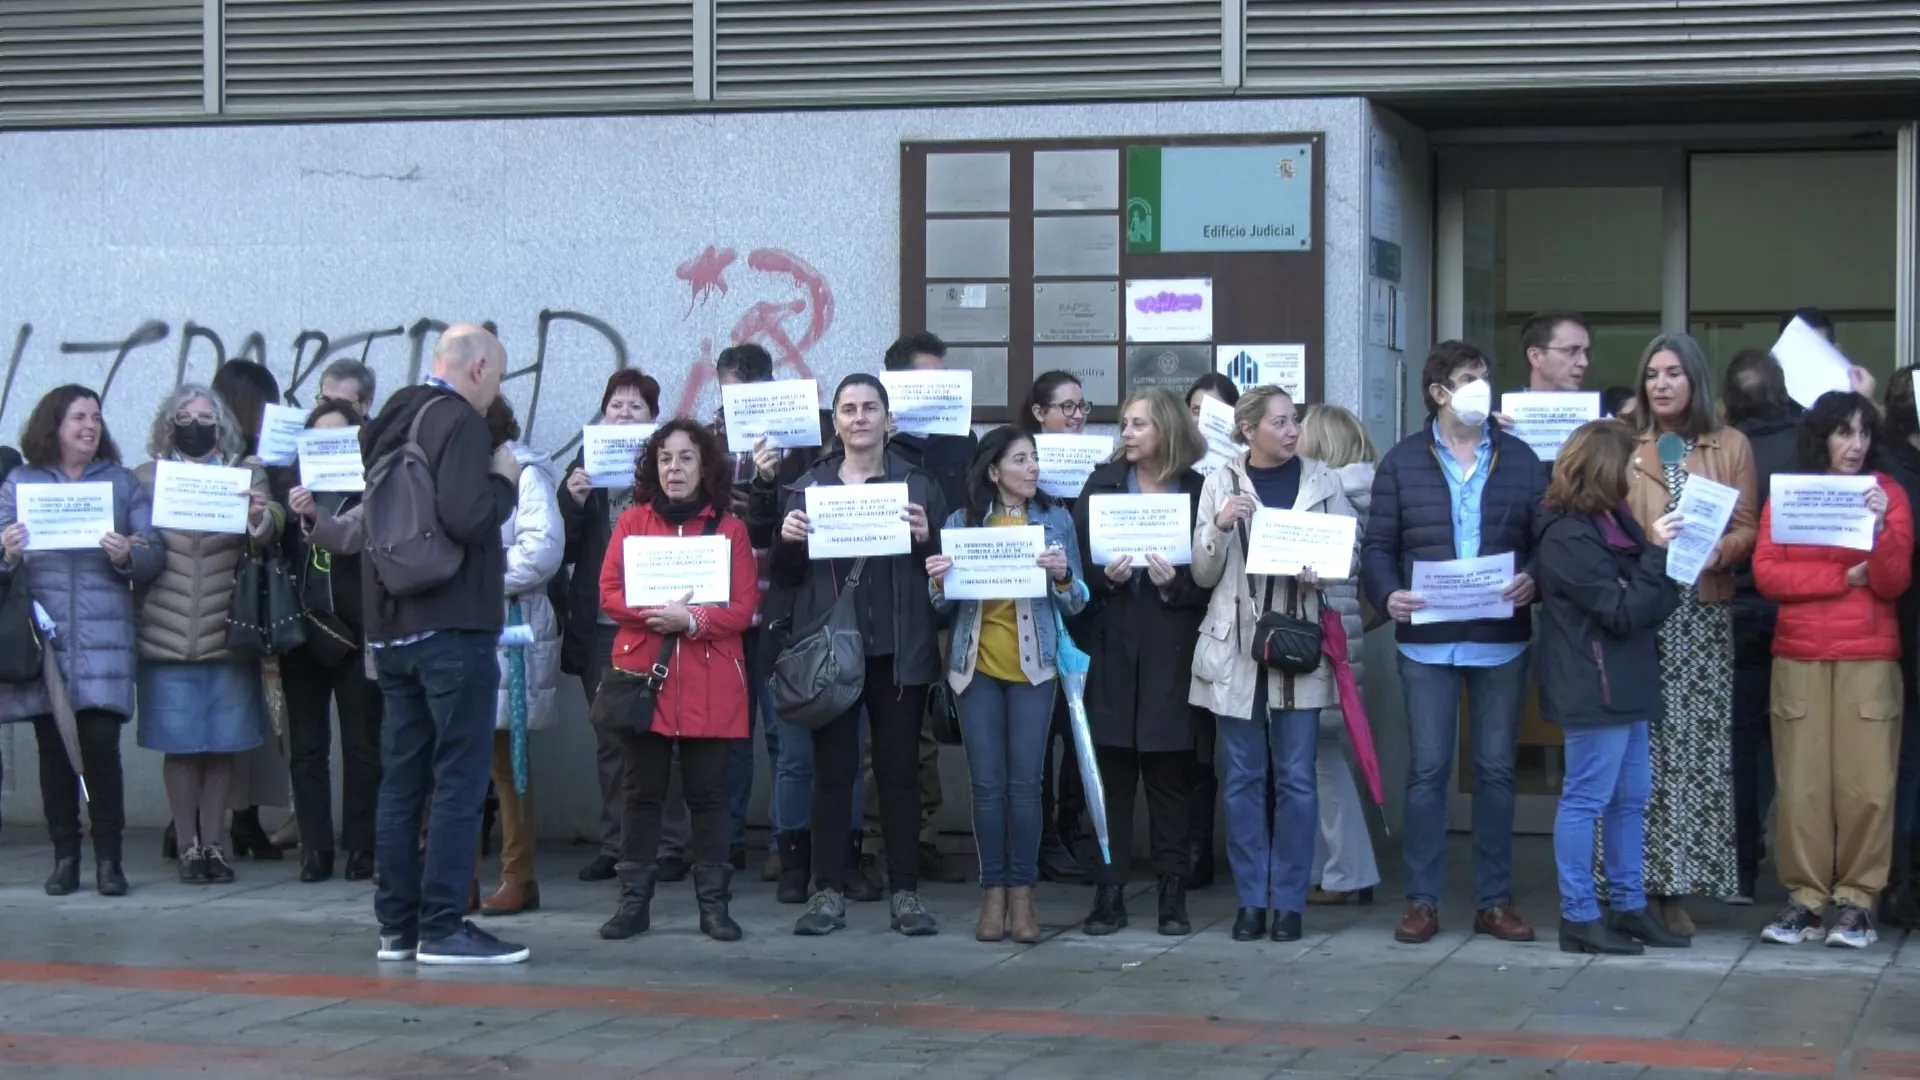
(273,978)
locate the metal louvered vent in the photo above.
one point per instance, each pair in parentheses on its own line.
(66,59)
(1333,46)
(361,57)
(921,50)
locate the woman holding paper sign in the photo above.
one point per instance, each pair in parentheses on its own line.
(1269,720)
(85,592)
(199,705)
(1690,847)
(1001,663)
(1141,633)
(683,485)
(1836,688)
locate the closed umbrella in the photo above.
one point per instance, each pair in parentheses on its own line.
(516,638)
(1333,642)
(57,699)
(1072,666)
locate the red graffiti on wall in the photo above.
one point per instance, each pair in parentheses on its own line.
(793,312)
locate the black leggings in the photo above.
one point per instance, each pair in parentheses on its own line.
(99,733)
(312,689)
(894,715)
(647,764)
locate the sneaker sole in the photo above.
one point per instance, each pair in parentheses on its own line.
(918,931)
(395,956)
(1803,938)
(433,960)
(1838,940)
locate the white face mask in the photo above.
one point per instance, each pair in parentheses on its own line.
(1471,403)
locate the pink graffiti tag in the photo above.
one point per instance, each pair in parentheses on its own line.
(705,275)
(787,326)
(1165,302)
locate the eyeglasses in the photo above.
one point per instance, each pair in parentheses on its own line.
(1071,408)
(1574,351)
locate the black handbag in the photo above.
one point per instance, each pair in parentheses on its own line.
(626,700)
(264,616)
(1282,641)
(943,713)
(330,641)
(822,671)
(22,649)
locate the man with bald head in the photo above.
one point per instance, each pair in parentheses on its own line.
(435,653)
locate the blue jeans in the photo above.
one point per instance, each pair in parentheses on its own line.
(1272,860)
(1496,698)
(792,806)
(1609,777)
(437,743)
(1005,726)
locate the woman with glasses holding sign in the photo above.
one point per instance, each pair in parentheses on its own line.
(1687,460)
(1836,669)
(1001,662)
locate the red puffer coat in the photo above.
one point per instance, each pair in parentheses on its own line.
(1821,616)
(706,692)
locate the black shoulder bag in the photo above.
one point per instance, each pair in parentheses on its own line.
(626,700)
(822,672)
(1282,641)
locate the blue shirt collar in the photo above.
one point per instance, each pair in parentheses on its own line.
(1486,437)
(438,383)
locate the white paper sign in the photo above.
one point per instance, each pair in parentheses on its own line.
(1811,364)
(930,402)
(1460,589)
(1179,310)
(1705,508)
(1829,511)
(854,520)
(62,517)
(786,412)
(1282,541)
(200,498)
(280,429)
(609,452)
(662,569)
(1216,427)
(1137,524)
(1545,420)
(1284,366)
(1067,460)
(994,563)
(330,460)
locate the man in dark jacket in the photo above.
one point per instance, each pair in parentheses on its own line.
(439,672)
(1459,488)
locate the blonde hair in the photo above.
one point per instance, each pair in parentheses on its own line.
(1180,443)
(1251,409)
(1336,437)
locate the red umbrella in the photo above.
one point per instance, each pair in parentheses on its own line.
(1333,642)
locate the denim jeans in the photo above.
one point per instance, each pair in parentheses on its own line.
(792,806)
(437,743)
(1496,698)
(1272,858)
(1609,776)
(740,759)
(1005,726)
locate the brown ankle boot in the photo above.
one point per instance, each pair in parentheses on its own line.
(1026,924)
(512,898)
(993,916)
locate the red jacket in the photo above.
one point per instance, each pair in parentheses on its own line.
(1821,616)
(706,692)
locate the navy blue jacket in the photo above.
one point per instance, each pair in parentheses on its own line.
(1412,520)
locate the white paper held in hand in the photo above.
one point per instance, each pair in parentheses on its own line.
(280,429)
(330,460)
(609,453)
(65,517)
(1216,427)
(1284,541)
(1705,508)
(1826,511)
(930,402)
(854,520)
(1139,525)
(1810,363)
(200,498)
(994,563)
(1067,460)
(660,570)
(1545,420)
(1457,590)
(786,412)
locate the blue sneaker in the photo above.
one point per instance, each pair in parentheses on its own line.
(396,948)
(470,945)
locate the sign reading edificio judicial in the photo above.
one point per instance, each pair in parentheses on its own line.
(1219,198)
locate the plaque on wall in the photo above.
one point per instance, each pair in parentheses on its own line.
(967,184)
(968,313)
(1167,367)
(1076,180)
(1096,366)
(1078,246)
(989,367)
(1076,311)
(967,248)
(1219,198)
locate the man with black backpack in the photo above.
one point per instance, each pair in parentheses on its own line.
(434,572)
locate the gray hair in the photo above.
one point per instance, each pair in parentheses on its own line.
(355,370)
(160,439)
(1702,417)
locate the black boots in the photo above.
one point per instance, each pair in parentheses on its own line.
(1109,910)
(1286,926)
(1173,906)
(860,885)
(1642,927)
(250,840)
(636,898)
(796,866)
(1249,924)
(1596,937)
(1056,860)
(107,878)
(710,881)
(315,865)
(65,878)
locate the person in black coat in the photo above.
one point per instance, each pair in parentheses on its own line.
(1901,454)
(1141,633)
(1604,591)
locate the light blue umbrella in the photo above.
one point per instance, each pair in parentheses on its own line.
(1073,665)
(517,701)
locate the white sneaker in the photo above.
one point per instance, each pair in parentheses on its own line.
(1853,930)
